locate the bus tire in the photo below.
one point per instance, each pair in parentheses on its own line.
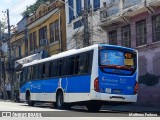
(93,106)
(29,102)
(59,100)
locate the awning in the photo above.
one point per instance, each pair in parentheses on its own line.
(19,63)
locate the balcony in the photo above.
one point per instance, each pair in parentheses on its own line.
(130,3)
(133,7)
(115,12)
(153,3)
(109,10)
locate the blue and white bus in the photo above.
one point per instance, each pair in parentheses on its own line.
(91,75)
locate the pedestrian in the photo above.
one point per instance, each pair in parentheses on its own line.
(8,89)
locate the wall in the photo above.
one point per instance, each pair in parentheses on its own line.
(22,25)
(51,47)
(16,40)
(149,59)
(97,34)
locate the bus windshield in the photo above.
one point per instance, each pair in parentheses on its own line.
(117,59)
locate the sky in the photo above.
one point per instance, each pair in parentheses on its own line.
(16,7)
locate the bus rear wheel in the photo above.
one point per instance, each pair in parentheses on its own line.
(93,106)
(59,100)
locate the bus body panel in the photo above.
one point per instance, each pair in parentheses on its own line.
(117,84)
(78,88)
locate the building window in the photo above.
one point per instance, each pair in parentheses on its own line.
(34,40)
(78,24)
(126,36)
(71,12)
(52,33)
(19,51)
(156,28)
(79,7)
(31,43)
(113,37)
(89,3)
(141,32)
(42,35)
(96,4)
(56,26)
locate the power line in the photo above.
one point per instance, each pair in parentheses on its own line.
(15,4)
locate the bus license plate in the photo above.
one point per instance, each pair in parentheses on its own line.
(129,62)
(117,91)
(108,90)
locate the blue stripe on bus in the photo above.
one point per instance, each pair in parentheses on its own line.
(77,84)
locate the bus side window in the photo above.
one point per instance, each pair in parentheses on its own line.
(65,66)
(51,69)
(36,72)
(47,69)
(32,73)
(72,65)
(59,67)
(54,68)
(29,74)
(84,65)
(24,76)
(43,70)
(40,71)
(87,66)
(77,60)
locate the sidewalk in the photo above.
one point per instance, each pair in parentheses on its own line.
(133,108)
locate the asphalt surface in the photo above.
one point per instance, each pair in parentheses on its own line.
(46,111)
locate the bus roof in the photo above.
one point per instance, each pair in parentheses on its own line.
(72,52)
(62,54)
(116,46)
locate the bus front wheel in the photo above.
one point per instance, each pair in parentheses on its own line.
(29,102)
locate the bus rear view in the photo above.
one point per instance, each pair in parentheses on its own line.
(117,74)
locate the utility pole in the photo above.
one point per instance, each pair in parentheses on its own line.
(10,70)
(86,27)
(1,55)
(2,65)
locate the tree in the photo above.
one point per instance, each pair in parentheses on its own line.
(2,25)
(32,8)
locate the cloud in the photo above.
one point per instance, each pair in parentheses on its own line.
(7,1)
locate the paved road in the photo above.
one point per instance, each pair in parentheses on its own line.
(23,109)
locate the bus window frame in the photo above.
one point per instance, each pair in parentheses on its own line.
(63,76)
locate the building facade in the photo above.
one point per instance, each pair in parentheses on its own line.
(75,23)
(17,52)
(136,24)
(37,36)
(47,29)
